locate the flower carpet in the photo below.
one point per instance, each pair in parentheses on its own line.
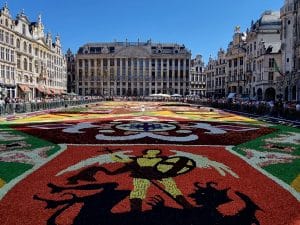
(148,163)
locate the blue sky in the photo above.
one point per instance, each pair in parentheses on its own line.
(203,26)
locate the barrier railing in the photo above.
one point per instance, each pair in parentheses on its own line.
(27,107)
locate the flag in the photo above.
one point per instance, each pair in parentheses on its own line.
(277,69)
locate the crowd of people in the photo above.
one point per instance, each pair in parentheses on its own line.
(277,108)
(18,105)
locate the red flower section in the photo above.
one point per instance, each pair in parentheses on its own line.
(66,187)
(106,132)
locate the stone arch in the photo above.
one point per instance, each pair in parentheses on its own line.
(240,90)
(233,89)
(270,94)
(259,94)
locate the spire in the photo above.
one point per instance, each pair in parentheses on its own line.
(5,9)
(57,40)
(40,19)
(237,29)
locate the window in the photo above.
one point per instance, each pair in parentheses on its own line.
(241,61)
(25,46)
(12,56)
(12,41)
(18,43)
(7,37)
(29,49)
(23,29)
(2,71)
(25,64)
(271,76)
(18,61)
(7,72)
(7,51)
(12,73)
(271,63)
(30,65)
(235,62)
(2,53)
(1,35)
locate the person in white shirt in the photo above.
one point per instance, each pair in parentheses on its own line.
(298,107)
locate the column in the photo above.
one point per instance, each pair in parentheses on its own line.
(121,77)
(168,77)
(77,77)
(115,76)
(150,76)
(155,76)
(126,75)
(144,79)
(101,76)
(184,77)
(173,76)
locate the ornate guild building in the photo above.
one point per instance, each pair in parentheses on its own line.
(32,65)
(235,58)
(197,78)
(132,69)
(290,37)
(263,57)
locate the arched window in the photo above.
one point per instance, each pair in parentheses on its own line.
(18,43)
(25,46)
(26,78)
(25,64)
(29,48)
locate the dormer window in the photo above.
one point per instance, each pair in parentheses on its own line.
(6,22)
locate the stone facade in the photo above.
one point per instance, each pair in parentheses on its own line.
(215,73)
(251,67)
(31,64)
(235,58)
(132,69)
(197,78)
(210,71)
(220,75)
(290,37)
(71,70)
(263,58)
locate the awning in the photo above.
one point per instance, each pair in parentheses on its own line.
(41,89)
(48,92)
(24,88)
(231,95)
